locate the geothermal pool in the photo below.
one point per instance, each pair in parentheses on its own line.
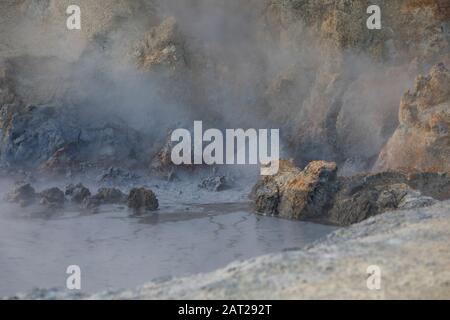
(115,250)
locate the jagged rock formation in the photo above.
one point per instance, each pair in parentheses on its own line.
(322,76)
(346,88)
(57,139)
(317,194)
(422,140)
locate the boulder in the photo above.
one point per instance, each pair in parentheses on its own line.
(78,193)
(105,196)
(214,184)
(142,199)
(23,194)
(317,194)
(296,194)
(52,197)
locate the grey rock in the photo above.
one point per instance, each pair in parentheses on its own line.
(142,199)
(23,194)
(78,193)
(52,197)
(105,196)
(117,176)
(317,194)
(58,138)
(214,184)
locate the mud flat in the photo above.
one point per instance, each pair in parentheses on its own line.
(410,247)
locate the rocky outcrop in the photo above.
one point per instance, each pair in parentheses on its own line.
(341,102)
(57,139)
(318,194)
(289,194)
(412,32)
(422,140)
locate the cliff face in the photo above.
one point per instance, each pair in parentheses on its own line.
(311,68)
(350,106)
(422,140)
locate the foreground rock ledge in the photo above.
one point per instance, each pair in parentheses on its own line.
(410,247)
(317,194)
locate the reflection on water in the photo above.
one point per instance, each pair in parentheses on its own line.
(116,250)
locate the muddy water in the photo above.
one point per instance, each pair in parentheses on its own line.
(116,250)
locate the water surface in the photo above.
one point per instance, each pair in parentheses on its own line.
(116,250)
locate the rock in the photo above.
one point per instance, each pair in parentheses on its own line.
(53,198)
(422,140)
(23,194)
(317,194)
(110,196)
(214,184)
(105,196)
(161,163)
(141,199)
(92,204)
(57,139)
(78,193)
(296,194)
(162,47)
(62,161)
(117,176)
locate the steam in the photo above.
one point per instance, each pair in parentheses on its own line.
(237,74)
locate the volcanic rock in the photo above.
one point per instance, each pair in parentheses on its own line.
(105,196)
(214,184)
(53,198)
(317,194)
(142,199)
(78,192)
(162,46)
(117,176)
(23,194)
(422,140)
